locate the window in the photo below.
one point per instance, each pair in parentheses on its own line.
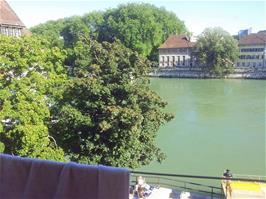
(11,31)
(184,60)
(167,60)
(251,50)
(238,64)
(242,56)
(173,59)
(163,60)
(178,60)
(243,64)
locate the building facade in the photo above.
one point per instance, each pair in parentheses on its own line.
(252,50)
(10,24)
(176,51)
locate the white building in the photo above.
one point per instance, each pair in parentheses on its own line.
(252,49)
(176,51)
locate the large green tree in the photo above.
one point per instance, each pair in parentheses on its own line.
(140,27)
(108,114)
(217,51)
(66,31)
(51,30)
(29,74)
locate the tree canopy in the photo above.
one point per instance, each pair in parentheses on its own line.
(75,93)
(140,27)
(108,114)
(217,50)
(29,74)
(98,110)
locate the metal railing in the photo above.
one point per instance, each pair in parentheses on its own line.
(173,181)
(252,177)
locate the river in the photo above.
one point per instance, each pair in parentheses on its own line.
(218,124)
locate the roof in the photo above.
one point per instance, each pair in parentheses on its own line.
(255,38)
(177,41)
(8,16)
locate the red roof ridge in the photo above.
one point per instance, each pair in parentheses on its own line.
(177,41)
(254,38)
(8,16)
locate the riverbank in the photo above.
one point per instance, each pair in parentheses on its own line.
(198,73)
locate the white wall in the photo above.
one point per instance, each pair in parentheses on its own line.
(184,55)
(259,60)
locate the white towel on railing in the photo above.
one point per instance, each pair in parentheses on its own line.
(24,178)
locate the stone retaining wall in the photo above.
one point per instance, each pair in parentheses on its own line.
(198,73)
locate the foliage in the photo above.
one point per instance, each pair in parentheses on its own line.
(93,20)
(51,31)
(68,30)
(29,73)
(217,50)
(108,114)
(104,112)
(73,29)
(140,27)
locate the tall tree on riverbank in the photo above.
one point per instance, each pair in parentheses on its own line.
(217,51)
(140,27)
(108,114)
(104,112)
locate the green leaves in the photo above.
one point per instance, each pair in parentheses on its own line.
(108,112)
(140,27)
(217,51)
(28,68)
(64,95)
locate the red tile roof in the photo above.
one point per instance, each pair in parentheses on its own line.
(8,16)
(256,38)
(177,41)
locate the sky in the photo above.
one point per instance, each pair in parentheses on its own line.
(231,15)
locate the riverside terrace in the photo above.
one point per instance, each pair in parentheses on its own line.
(32,178)
(173,186)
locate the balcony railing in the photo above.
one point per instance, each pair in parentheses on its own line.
(181,182)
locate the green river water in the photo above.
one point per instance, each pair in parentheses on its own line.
(218,124)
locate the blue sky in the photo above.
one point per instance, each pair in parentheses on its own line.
(197,14)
